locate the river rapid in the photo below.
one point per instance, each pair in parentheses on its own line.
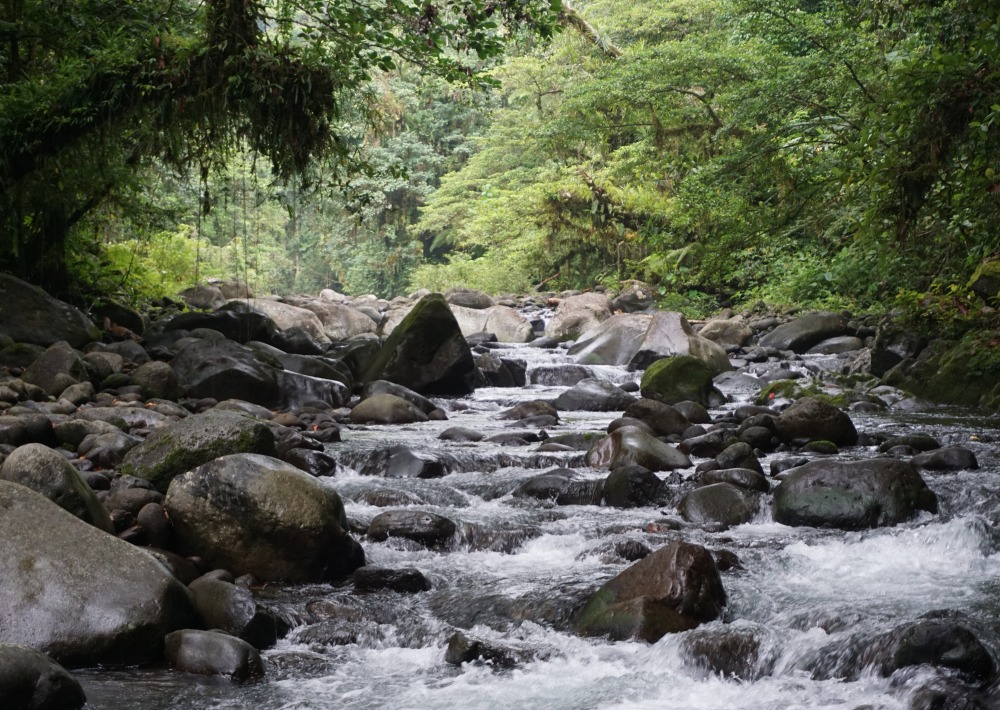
(517,571)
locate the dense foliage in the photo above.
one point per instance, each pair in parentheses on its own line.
(811,151)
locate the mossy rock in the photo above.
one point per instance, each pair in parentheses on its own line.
(678,378)
(194,441)
(965,373)
(986,281)
(791,390)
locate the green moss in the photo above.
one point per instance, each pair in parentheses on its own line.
(966,373)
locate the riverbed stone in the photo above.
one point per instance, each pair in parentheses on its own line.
(29,315)
(213,653)
(427,352)
(631,445)
(732,651)
(428,529)
(47,472)
(30,680)
(193,441)
(465,648)
(813,419)
(721,503)
(578,314)
(562,486)
(800,334)
(676,588)
(851,495)
(949,458)
(729,333)
(386,409)
(59,367)
(632,487)
(253,514)
(80,595)
(232,609)
(739,454)
(406,580)
(594,395)
(675,379)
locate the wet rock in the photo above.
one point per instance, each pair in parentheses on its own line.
(29,315)
(721,503)
(852,495)
(939,642)
(68,598)
(676,588)
(810,419)
(30,680)
(459,433)
(739,455)
(950,458)
(388,498)
(47,472)
(231,609)
(529,409)
(427,529)
(693,412)
(837,345)
(196,440)
(731,651)
(315,463)
(223,369)
(254,514)
(464,648)
(747,478)
(386,409)
(709,445)
(594,395)
(679,378)
(630,445)
(107,450)
(152,518)
(920,442)
(385,387)
(213,653)
(404,462)
(339,322)
(577,314)
(663,419)
(803,333)
(632,487)
(407,580)
(946,693)
(562,486)
(427,352)
(559,375)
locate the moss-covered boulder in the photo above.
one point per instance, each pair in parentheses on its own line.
(675,379)
(986,281)
(257,515)
(674,589)
(852,495)
(193,441)
(427,352)
(966,372)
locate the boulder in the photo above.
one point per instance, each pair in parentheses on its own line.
(339,321)
(851,495)
(562,486)
(203,297)
(638,340)
(939,642)
(632,487)
(578,314)
(213,653)
(985,281)
(428,529)
(836,345)
(727,333)
(56,369)
(800,334)
(721,503)
(407,580)
(468,298)
(463,648)
(676,588)
(508,325)
(30,680)
(193,441)
(231,609)
(287,316)
(253,514)
(663,419)
(743,652)
(157,380)
(29,315)
(236,322)
(427,352)
(594,395)
(386,409)
(47,472)
(630,445)
(224,369)
(950,458)
(384,387)
(635,296)
(80,595)
(675,379)
(559,375)
(813,419)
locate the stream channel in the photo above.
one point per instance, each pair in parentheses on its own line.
(516,571)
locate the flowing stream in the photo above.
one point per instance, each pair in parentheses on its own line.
(516,572)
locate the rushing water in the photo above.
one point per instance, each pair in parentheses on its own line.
(515,574)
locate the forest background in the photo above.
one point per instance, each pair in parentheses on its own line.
(812,152)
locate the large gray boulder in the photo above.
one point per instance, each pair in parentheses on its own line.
(803,333)
(56,369)
(193,441)
(851,495)
(80,595)
(30,680)
(728,333)
(594,395)
(29,315)
(254,514)
(47,472)
(674,589)
(576,315)
(224,369)
(815,420)
(287,316)
(386,409)
(427,352)
(507,324)
(339,321)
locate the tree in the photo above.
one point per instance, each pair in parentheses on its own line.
(95,89)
